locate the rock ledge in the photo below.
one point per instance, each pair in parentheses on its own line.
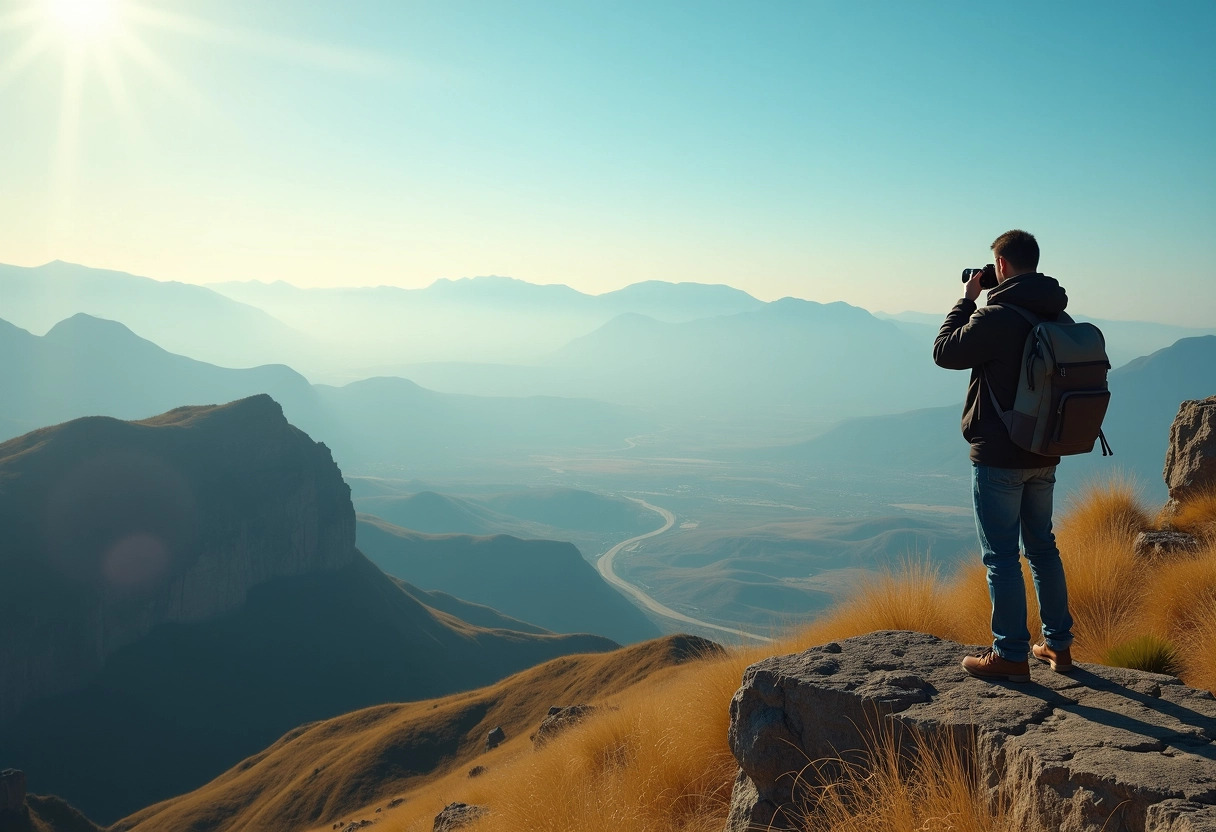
(1099,749)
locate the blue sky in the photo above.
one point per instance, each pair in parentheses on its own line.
(835,151)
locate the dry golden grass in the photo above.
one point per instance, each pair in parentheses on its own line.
(656,758)
(1196,516)
(911,786)
(1105,581)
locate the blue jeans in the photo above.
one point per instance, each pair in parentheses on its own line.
(1012,503)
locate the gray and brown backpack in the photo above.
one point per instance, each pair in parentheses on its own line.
(1062,393)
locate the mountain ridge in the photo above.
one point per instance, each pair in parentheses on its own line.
(203,561)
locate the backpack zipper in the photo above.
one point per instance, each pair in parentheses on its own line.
(1063,368)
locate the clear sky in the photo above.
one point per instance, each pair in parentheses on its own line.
(858,151)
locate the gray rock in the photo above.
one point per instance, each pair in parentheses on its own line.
(1099,749)
(496,738)
(1164,543)
(456,815)
(1190,461)
(12,791)
(559,719)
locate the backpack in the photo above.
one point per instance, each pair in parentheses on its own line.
(1062,394)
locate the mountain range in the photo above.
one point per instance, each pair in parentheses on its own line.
(1145,395)
(182,317)
(183,589)
(86,366)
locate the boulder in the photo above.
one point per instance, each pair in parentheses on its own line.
(1099,749)
(1164,544)
(495,738)
(477,771)
(456,815)
(1190,461)
(12,791)
(559,719)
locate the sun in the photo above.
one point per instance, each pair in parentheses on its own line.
(83,19)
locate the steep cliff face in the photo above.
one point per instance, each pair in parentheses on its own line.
(177,592)
(112,528)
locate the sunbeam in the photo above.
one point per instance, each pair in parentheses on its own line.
(265,44)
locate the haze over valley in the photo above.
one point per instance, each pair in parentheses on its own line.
(778,434)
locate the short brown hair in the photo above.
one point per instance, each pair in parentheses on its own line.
(1019,248)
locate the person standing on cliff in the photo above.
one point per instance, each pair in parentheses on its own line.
(1011,487)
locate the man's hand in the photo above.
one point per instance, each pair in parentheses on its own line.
(973,286)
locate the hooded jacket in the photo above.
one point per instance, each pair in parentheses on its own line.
(989,342)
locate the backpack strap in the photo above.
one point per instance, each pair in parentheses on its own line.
(1034,319)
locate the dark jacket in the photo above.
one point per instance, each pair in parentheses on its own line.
(989,342)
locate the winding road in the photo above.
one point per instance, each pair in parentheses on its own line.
(604,565)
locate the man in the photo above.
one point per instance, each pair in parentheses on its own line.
(1011,487)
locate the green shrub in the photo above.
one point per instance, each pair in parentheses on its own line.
(1156,655)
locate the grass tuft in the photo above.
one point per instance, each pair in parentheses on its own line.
(1151,653)
(918,783)
(1196,516)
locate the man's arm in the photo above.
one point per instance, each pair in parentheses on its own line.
(959,346)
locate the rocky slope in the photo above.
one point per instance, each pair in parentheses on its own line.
(191,582)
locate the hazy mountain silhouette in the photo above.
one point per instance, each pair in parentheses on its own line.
(182,317)
(535,512)
(432,513)
(790,359)
(470,319)
(677,302)
(545,582)
(86,366)
(393,419)
(1125,340)
(573,508)
(181,590)
(1145,395)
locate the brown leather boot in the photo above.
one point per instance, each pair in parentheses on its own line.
(1060,660)
(988,665)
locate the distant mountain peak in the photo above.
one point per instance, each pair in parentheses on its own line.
(83,323)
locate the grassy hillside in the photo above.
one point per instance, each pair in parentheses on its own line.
(327,771)
(660,760)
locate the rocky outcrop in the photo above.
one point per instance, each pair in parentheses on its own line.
(559,719)
(1190,461)
(1160,544)
(1099,749)
(495,738)
(12,791)
(457,815)
(112,528)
